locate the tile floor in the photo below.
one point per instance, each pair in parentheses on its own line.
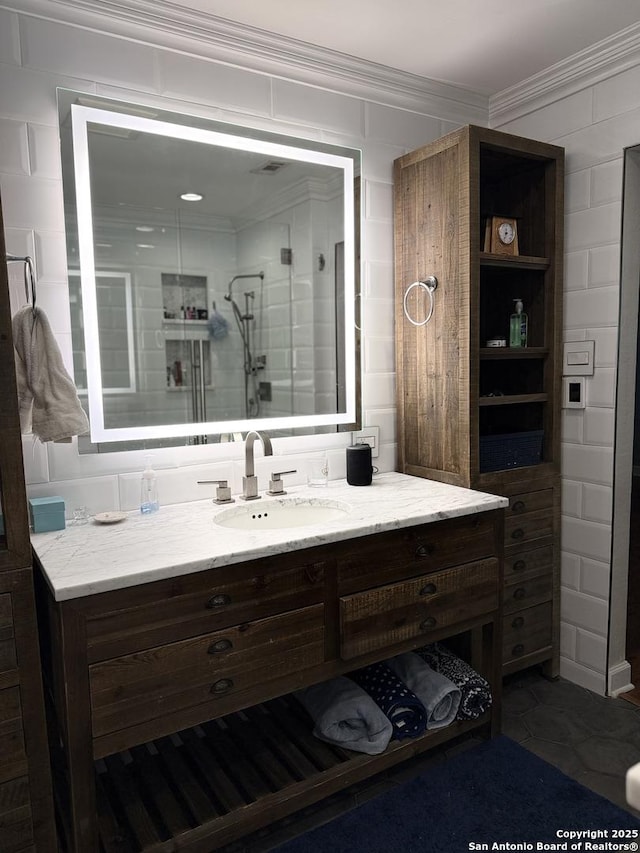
(589,738)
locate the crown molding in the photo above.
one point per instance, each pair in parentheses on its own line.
(585,68)
(160,23)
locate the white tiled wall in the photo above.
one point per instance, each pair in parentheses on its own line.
(594,126)
(36,56)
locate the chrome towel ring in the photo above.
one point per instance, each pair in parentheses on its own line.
(429,284)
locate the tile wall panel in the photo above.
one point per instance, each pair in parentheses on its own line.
(617,95)
(591,650)
(74,52)
(14,145)
(307,105)
(594,578)
(191,79)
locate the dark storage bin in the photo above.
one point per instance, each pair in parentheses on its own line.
(510,450)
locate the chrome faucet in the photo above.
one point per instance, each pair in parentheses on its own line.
(250,481)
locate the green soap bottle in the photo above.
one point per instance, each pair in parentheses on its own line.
(518,326)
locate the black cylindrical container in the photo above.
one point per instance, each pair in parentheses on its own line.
(359,468)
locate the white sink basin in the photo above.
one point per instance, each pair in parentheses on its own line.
(270,514)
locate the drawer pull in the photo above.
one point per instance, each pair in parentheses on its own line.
(517,650)
(222,685)
(429,622)
(518,622)
(519,566)
(429,589)
(518,533)
(519,506)
(519,593)
(218,601)
(220,646)
(424,551)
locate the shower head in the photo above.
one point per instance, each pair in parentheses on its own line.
(259,275)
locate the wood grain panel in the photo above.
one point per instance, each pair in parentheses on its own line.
(526,632)
(525,564)
(158,681)
(523,529)
(527,593)
(369,562)
(434,355)
(151,614)
(390,614)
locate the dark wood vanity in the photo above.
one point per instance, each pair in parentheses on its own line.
(174,726)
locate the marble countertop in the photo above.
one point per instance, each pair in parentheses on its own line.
(184,538)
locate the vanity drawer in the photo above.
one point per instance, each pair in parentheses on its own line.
(200,603)
(388,557)
(527,564)
(161,680)
(527,593)
(416,608)
(526,631)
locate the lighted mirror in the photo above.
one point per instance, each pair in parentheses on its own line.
(212,274)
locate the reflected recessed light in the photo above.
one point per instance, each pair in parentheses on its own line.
(146,228)
(145,246)
(191,197)
(103,246)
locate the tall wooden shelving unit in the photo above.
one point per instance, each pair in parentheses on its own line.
(26,803)
(476,416)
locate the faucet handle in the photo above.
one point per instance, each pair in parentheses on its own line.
(276,486)
(223,492)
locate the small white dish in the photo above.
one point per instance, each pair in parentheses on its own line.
(109,517)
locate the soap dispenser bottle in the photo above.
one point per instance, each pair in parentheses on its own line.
(518,326)
(148,489)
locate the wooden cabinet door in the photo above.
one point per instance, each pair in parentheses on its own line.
(432,211)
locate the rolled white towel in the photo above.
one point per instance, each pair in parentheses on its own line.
(439,695)
(345,715)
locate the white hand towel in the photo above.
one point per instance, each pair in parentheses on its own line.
(48,400)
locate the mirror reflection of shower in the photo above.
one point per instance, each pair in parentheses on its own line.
(250,329)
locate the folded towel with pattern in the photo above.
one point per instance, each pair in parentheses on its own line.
(474,689)
(407,713)
(438,694)
(345,715)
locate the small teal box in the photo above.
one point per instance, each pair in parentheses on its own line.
(46,514)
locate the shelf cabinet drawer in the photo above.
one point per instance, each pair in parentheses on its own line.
(521,565)
(527,593)
(416,608)
(530,502)
(204,602)
(526,631)
(526,528)
(393,556)
(155,681)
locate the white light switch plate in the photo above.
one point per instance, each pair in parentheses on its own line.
(368,435)
(578,358)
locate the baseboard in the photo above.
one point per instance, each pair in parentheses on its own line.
(619,679)
(582,675)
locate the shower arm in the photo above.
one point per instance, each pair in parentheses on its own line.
(259,275)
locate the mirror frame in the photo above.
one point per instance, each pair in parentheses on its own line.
(228,136)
